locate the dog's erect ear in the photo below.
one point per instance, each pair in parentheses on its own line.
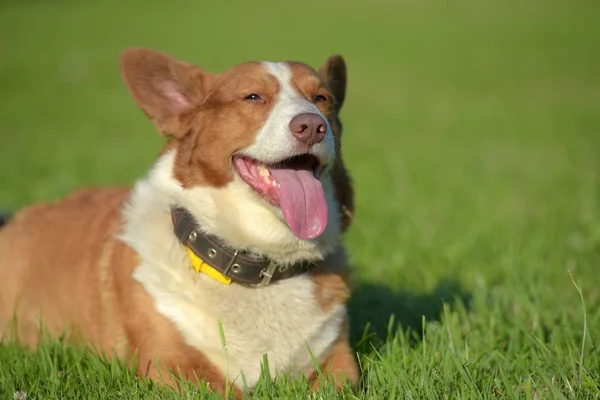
(333,73)
(163,87)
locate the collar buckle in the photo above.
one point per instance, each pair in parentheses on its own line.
(267,275)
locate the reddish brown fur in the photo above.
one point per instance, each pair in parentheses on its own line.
(63,259)
(226,125)
(340,365)
(73,254)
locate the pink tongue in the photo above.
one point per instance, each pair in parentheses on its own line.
(302,201)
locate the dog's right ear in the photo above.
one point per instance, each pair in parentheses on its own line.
(333,73)
(163,87)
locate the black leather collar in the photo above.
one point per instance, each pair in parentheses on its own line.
(236,264)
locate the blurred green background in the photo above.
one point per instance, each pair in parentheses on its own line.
(472,131)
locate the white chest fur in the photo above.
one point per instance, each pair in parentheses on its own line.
(281,320)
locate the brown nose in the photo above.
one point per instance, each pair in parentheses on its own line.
(308,128)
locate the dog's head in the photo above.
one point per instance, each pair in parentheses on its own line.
(256,150)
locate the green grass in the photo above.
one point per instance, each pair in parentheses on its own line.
(472,129)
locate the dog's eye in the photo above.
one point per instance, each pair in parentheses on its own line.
(319,98)
(252,96)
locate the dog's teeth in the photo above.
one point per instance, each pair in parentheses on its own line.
(274,184)
(267,180)
(263,171)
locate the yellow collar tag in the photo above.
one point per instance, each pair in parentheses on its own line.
(201,266)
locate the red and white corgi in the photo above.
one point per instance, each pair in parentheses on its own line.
(235,230)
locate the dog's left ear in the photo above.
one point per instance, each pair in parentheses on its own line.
(164,88)
(333,73)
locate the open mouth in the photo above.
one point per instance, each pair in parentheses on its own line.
(294,186)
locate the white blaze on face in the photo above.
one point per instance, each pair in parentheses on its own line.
(275,141)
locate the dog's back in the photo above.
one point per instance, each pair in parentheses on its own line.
(52,254)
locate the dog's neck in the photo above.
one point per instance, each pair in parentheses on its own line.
(209,256)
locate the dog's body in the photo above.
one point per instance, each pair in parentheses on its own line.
(105,262)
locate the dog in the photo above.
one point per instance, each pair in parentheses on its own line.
(234,233)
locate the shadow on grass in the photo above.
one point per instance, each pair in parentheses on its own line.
(372,305)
